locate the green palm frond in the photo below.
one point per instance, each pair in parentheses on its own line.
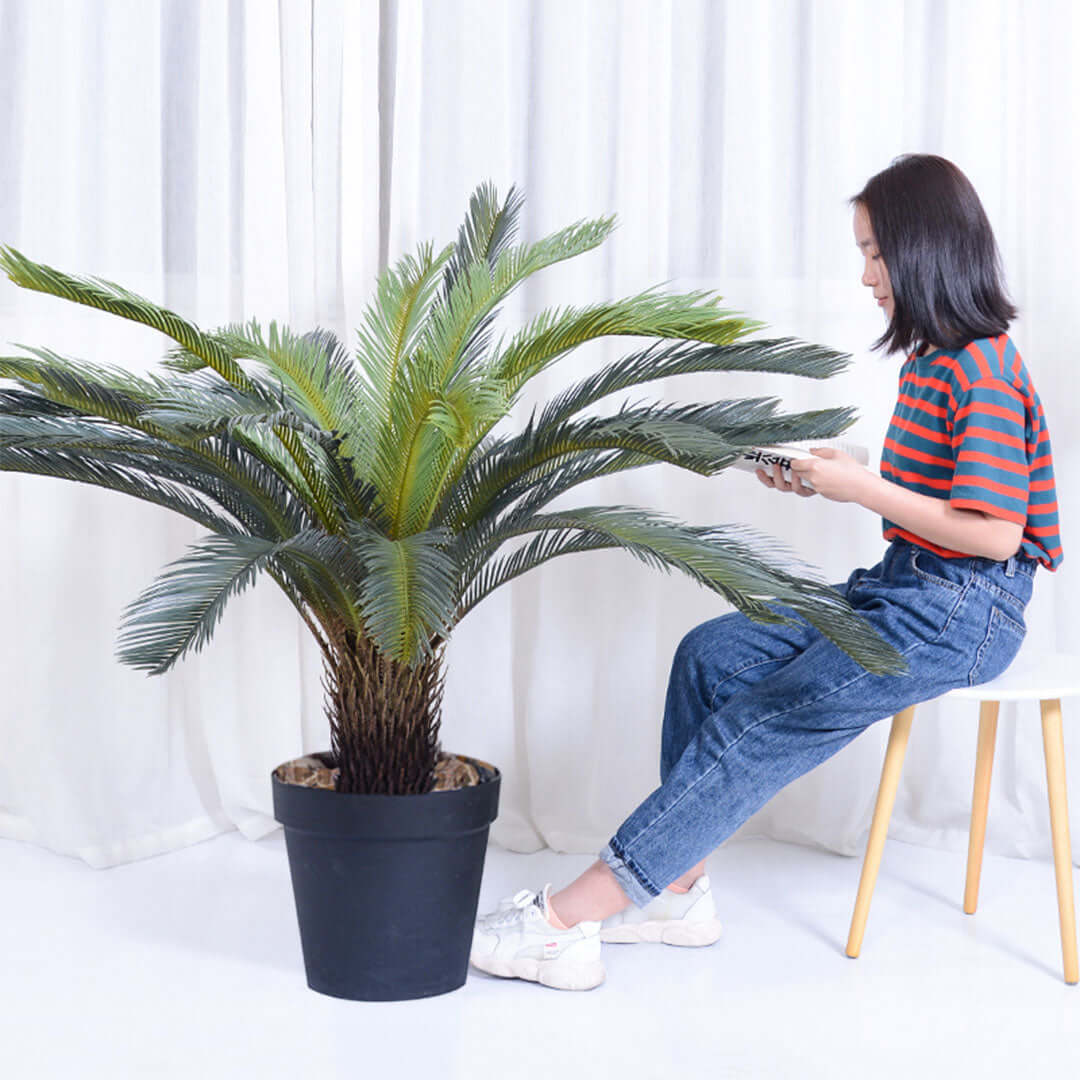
(246,474)
(325,569)
(413,461)
(76,387)
(664,360)
(196,406)
(731,561)
(317,380)
(196,416)
(544,546)
(395,318)
(552,334)
(700,438)
(694,316)
(17,402)
(70,432)
(486,232)
(481,286)
(407,594)
(442,375)
(255,498)
(178,613)
(179,610)
(313,394)
(118,473)
(207,348)
(95,389)
(108,296)
(661,360)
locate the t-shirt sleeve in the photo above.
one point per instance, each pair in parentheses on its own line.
(990,450)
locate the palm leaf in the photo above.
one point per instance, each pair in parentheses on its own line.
(325,568)
(701,438)
(99,469)
(695,316)
(179,611)
(77,387)
(407,592)
(443,357)
(480,286)
(318,379)
(731,561)
(664,360)
(97,389)
(395,318)
(486,232)
(113,298)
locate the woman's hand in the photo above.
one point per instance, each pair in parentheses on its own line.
(834,474)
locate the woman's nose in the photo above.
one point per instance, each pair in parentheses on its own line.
(869,277)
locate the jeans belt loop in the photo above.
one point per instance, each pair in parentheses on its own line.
(1010,566)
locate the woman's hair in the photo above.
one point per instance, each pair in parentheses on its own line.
(944,265)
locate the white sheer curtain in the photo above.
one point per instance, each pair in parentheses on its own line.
(246,159)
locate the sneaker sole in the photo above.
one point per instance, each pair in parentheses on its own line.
(664,932)
(559,976)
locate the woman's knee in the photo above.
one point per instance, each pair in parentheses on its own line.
(705,638)
(701,655)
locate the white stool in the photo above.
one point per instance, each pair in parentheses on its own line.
(1031,677)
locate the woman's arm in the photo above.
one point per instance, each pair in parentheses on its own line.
(971,531)
(842,479)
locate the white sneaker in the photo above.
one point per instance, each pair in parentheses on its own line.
(516,941)
(670,918)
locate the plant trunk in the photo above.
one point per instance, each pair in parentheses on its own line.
(384,718)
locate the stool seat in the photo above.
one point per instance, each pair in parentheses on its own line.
(1032,676)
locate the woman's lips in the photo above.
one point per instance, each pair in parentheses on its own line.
(881,302)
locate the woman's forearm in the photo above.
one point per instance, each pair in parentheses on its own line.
(969,531)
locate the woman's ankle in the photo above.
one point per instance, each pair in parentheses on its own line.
(685,883)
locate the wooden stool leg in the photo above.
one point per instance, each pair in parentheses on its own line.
(1054,749)
(879,827)
(980,801)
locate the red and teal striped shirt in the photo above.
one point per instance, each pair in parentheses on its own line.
(969,427)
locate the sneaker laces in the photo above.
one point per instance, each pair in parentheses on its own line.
(510,908)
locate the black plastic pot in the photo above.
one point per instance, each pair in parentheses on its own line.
(387,886)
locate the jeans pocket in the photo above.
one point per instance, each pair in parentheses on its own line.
(923,565)
(1004,636)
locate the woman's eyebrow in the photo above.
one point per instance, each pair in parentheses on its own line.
(864,243)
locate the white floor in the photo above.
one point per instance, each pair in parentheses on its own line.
(188,965)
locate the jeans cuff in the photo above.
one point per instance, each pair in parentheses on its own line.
(630,883)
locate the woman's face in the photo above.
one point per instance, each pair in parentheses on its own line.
(875,273)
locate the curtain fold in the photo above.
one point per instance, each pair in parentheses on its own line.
(246,159)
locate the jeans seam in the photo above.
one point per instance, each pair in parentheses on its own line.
(964,590)
(1001,594)
(745,667)
(933,578)
(998,618)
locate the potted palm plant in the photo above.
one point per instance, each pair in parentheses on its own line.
(373,488)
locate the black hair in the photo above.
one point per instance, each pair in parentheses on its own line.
(944,265)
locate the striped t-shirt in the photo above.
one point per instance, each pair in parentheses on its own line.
(969,427)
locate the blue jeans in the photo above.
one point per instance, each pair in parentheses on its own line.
(752,706)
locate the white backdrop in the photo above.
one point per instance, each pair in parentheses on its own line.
(250,159)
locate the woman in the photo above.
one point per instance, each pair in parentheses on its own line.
(967,500)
